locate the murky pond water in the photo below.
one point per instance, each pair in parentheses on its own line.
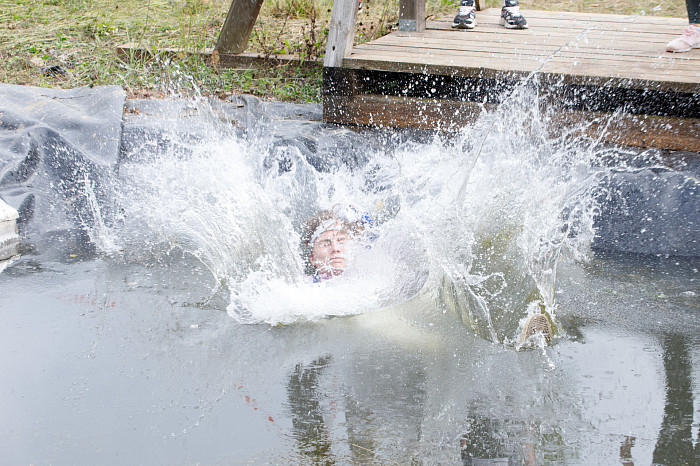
(174,322)
(109,363)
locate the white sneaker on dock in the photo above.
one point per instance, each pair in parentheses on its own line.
(466,16)
(511,17)
(689,40)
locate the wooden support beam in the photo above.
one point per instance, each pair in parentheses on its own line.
(671,133)
(399,112)
(239,24)
(646,131)
(412,15)
(341,32)
(134,52)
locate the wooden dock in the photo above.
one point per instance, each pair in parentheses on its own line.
(587,65)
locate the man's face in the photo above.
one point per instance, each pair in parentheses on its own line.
(329,251)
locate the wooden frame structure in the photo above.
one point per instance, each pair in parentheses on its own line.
(238,25)
(602,70)
(242,15)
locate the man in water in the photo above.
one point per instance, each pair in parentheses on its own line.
(328,235)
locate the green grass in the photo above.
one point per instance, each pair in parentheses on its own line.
(82,36)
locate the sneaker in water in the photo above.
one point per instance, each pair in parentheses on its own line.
(535,324)
(689,40)
(511,17)
(466,16)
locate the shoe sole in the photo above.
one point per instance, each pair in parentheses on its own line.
(537,323)
(463,26)
(684,50)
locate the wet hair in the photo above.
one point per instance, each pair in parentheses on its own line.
(311,226)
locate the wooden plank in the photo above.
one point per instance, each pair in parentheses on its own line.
(636,130)
(557,27)
(603,27)
(341,32)
(555,35)
(615,39)
(574,26)
(650,51)
(410,62)
(445,24)
(565,17)
(497,69)
(462,52)
(467,52)
(399,112)
(571,16)
(425,66)
(641,49)
(565,66)
(132,51)
(553,91)
(544,63)
(447,116)
(640,70)
(238,25)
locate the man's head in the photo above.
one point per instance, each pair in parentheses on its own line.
(325,239)
(328,252)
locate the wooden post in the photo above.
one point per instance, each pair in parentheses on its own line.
(239,24)
(341,32)
(412,15)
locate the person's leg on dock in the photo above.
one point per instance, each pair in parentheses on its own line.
(691,36)
(466,16)
(511,17)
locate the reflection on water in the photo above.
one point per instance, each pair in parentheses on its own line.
(376,410)
(492,442)
(675,444)
(488,441)
(307,414)
(626,458)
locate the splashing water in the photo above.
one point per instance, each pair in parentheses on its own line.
(473,222)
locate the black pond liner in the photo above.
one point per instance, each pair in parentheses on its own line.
(54,142)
